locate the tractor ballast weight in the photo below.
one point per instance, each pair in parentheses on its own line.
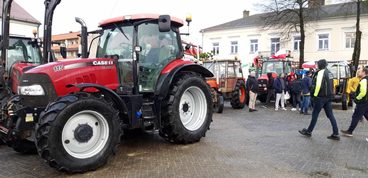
(138,80)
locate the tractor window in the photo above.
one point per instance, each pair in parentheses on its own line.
(22,50)
(116,42)
(336,69)
(158,49)
(230,70)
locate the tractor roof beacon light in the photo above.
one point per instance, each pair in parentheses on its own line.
(188,19)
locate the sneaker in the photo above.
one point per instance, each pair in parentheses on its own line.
(334,137)
(293,109)
(276,109)
(347,133)
(366,139)
(284,109)
(305,132)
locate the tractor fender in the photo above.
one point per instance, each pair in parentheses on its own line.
(106,91)
(165,80)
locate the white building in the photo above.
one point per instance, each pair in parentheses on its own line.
(331,37)
(21,22)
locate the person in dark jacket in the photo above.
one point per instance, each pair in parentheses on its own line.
(322,93)
(253,89)
(270,89)
(306,84)
(361,101)
(296,91)
(280,88)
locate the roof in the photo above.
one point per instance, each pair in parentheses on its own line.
(18,13)
(137,17)
(66,36)
(324,13)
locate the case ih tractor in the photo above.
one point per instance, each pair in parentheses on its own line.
(138,80)
(274,66)
(227,84)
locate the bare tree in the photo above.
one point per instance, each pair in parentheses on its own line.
(291,16)
(358,34)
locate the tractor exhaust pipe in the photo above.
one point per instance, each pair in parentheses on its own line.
(84,37)
(4,44)
(50,6)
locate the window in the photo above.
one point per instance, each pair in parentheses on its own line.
(275,45)
(253,46)
(349,39)
(215,48)
(323,41)
(234,47)
(297,40)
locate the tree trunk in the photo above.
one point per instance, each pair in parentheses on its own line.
(358,37)
(302,37)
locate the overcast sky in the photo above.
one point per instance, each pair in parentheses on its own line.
(205,13)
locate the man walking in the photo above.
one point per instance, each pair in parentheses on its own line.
(306,84)
(322,94)
(296,90)
(253,89)
(280,86)
(361,101)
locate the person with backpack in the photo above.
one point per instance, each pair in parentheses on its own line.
(296,90)
(322,92)
(361,101)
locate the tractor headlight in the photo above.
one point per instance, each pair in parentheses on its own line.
(32,90)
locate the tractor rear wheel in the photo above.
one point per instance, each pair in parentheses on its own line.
(238,99)
(344,102)
(187,115)
(219,106)
(78,132)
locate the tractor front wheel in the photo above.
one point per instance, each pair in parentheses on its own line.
(78,132)
(219,106)
(24,146)
(238,99)
(188,113)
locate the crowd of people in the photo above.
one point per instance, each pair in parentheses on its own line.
(313,91)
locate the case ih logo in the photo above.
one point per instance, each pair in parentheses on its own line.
(102,63)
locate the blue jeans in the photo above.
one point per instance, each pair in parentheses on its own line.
(325,103)
(359,111)
(306,102)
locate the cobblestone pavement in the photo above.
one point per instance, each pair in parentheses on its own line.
(240,144)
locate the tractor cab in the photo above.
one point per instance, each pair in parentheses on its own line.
(143,40)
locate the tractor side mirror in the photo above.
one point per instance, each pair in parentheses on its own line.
(164,23)
(63,51)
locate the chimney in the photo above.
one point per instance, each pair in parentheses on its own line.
(316,3)
(245,13)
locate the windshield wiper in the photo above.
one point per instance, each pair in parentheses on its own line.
(121,30)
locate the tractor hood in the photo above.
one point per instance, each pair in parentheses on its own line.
(73,71)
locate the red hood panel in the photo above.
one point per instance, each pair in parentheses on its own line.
(100,71)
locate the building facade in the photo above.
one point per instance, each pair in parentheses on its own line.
(21,22)
(70,40)
(331,37)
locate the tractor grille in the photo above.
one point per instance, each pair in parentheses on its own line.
(45,82)
(262,84)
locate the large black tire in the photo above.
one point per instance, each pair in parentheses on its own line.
(344,102)
(262,98)
(174,130)
(219,106)
(24,146)
(237,100)
(53,120)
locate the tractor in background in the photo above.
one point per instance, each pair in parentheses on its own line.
(228,83)
(274,66)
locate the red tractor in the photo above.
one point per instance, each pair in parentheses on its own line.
(138,80)
(228,83)
(274,66)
